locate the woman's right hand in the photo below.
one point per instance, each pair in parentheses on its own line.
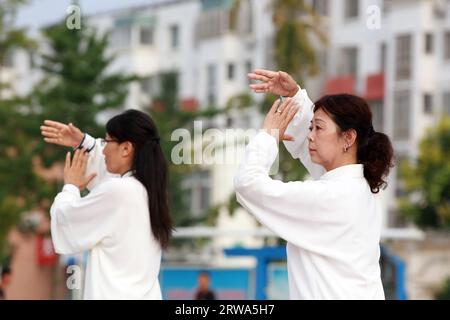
(279,83)
(61,134)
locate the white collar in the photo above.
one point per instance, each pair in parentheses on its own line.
(346,171)
(128,174)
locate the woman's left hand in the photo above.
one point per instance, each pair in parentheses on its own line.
(279,117)
(75,170)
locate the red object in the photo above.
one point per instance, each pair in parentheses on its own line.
(158,106)
(189,104)
(344,84)
(375,87)
(45,250)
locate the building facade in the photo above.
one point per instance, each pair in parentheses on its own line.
(394,53)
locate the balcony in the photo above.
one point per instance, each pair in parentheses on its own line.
(374,87)
(341,84)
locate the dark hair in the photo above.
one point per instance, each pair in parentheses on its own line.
(374,149)
(204,273)
(5,269)
(149,166)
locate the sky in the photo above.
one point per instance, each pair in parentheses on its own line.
(42,12)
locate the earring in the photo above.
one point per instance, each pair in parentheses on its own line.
(345,148)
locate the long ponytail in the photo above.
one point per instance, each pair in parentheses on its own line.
(151,170)
(376,156)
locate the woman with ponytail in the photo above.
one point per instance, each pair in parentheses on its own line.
(332,223)
(124,222)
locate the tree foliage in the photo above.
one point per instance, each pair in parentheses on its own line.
(427,181)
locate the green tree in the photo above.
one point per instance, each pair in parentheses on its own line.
(297,27)
(169,116)
(11,37)
(427,181)
(296,30)
(444,293)
(75,88)
(14,144)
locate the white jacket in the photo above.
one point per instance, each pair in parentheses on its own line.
(331,224)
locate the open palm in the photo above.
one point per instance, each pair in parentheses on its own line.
(279,83)
(61,134)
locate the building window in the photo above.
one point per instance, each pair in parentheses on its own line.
(212,84)
(245,17)
(320,7)
(428,104)
(230,122)
(197,185)
(121,37)
(403,57)
(351,9)
(383,55)
(212,24)
(447,46)
(150,86)
(174,36)
(400,190)
(146,36)
(377,115)
(33,56)
(8,61)
(402,111)
(269,49)
(429,43)
(446,102)
(230,71)
(322,58)
(387,6)
(248,69)
(349,61)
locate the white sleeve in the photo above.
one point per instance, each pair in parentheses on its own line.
(299,129)
(96,162)
(78,224)
(293,210)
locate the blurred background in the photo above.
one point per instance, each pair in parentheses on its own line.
(187,60)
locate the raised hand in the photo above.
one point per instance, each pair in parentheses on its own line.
(61,134)
(279,83)
(279,117)
(75,170)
